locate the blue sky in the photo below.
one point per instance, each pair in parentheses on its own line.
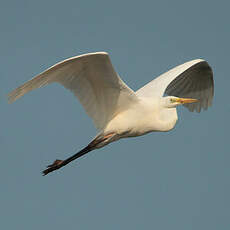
(176,180)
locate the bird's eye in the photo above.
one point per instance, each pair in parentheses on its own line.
(171,100)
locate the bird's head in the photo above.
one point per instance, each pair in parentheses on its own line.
(172,102)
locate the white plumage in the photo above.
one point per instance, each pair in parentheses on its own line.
(118,111)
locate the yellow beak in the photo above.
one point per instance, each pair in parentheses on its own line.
(186,100)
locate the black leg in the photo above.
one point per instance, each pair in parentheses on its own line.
(57,164)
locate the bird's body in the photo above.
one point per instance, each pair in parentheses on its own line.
(145,118)
(118,111)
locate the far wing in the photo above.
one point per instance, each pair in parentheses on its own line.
(93,80)
(193,79)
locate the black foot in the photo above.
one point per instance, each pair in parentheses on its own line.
(50,168)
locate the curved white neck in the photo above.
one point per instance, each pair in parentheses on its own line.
(167,116)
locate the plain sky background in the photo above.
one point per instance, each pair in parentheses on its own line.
(176,180)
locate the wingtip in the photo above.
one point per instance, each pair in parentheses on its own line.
(12,97)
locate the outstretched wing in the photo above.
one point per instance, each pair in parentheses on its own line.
(193,79)
(93,80)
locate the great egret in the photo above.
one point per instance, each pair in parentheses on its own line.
(117,111)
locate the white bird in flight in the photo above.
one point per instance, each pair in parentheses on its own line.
(116,110)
